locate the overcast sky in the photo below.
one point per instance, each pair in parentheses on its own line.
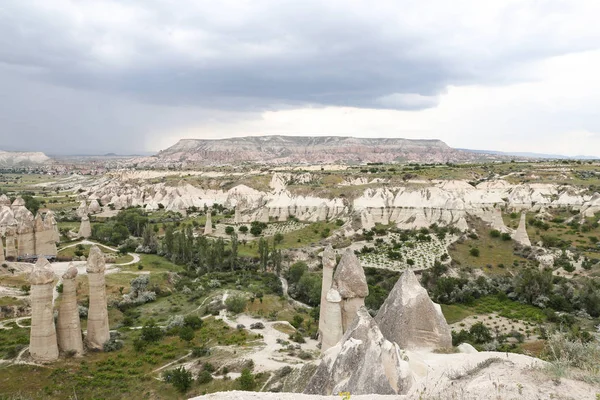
(90,77)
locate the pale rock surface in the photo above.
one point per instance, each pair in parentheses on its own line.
(328,261)
(331,318)
(350,281)
(68,323)
(366,220)
(85,229)
(97,327)
(237,219)
(11,250)
(94,207)
(409,318)
(208,229)
(2,259)
(26,236)
(520,235)
(466,348)
(45,243)
(363,362)
(4,200)
(82,210)
(264,215)
(42,341)
(51,224)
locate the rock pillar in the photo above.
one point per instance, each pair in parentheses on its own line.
(42,340)
(350,281)
(11,250)
(97,327)
(237,219)
(69,326)
(2,259)
(331,315)
(208,230)
(85,229)
(520,235)
(328,266)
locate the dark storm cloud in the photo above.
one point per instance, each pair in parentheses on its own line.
(257,55)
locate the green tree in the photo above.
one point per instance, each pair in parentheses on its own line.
(31,203)
(180,378)
(243,229)
(186,333)
(246,380)
(263,253)
(236,303)
(229,230)
(277,239)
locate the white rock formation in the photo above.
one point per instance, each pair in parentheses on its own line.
(26,237)
(85,229)
(97,326)
(328,261)
(45,238)
(237,219)
(409,318)
(50,224)
(208,229)
(94,207)
(11,249)
(363,362)
(68,324)
(520,235)
(330,318)
(350,281)
(82,210)
(366,220)
(42,341)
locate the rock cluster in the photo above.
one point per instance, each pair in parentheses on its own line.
(366,355)
(25,234)
(362,362)
(45,338)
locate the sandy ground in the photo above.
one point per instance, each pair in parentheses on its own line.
(504,325)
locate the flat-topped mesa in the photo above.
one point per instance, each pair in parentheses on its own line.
(97,327)
(350,281)
(68,324)
(520,235)
(42,338)
(208,229)
(328,261)
(362,362)
(409,318)
(85,229)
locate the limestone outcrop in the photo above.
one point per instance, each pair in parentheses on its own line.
(97,327)
(42,341)
(26,237)
(85,229)
(363,362)
(68,323)
(208,229)
(409,318)
(328,267)
(350,281)
(94,207)
(520,235)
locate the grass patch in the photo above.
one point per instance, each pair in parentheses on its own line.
(492,304)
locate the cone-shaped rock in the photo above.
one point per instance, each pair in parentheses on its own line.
(26,235)
(520,235)
(97,327)
(409,318)
(42,339)
(85,229)
(350,281)
(362,362)
(208,225)
(94,207)
(69,326)
(328,266)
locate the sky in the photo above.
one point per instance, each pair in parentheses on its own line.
(92,77)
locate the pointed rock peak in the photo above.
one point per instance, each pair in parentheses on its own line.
(71,272)
(42,273)
(19,202)
(39,222)
(329,257)
(85,218)
(96,262)
(349,278)
(4,200)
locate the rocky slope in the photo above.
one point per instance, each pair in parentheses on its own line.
(307,149)
(22,159)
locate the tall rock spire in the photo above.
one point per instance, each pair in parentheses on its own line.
(328,261)
(350,281)
(208,230)
(42,339)
(69,325)
(520,235)
(97,327)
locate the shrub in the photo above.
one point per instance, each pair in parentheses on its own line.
(200,351)
(506,236)
(243,229)
(204,377)
(186,333)
(236,304)
(180,378)
(151,332)
(246,380)
(474,252)
(112,344)
(495,233)
(229,230)
(193,321)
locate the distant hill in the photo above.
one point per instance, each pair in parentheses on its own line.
(532,155)
(22,159)
(314,149)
